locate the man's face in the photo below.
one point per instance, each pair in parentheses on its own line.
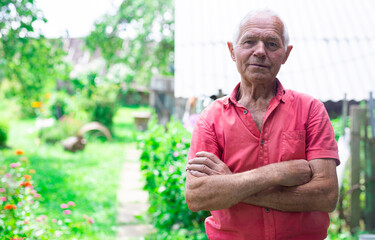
(260,50)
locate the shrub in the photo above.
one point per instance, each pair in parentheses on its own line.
(19,202)
(3,134)
(65,127)
(101,104)
(59,104)
(163,163)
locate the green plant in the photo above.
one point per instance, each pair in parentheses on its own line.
(101,104)
(65,127)
(3,134)
(89,178)
(19,202)
(58,104)
(163,163)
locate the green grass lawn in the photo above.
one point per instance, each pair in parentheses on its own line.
(89,178)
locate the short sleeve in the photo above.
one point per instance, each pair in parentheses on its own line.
(320,137)
(203,139)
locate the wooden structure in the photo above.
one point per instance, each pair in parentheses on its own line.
(78,143)
(362,166)
(141,120)
(162,97)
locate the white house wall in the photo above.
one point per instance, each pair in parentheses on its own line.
(333,54)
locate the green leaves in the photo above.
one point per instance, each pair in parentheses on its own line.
(140,35)
(29,63)
(163,163)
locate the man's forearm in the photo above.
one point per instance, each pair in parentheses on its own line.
(320,194)
(223,191)
(207,189)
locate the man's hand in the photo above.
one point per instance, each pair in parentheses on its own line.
(292,173)
(207,164)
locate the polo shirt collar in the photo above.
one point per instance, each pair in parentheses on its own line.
(280,93)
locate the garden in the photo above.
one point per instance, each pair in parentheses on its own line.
(65,130)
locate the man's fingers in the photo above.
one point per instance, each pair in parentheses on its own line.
(209,155)
(196,173)
(200,168)
(202,160)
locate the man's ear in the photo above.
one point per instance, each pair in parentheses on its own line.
(290,47)
(231,50)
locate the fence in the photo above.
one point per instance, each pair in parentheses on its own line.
(362,166)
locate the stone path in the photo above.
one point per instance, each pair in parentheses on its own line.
(132,200)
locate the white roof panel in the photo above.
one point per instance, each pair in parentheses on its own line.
(333,54)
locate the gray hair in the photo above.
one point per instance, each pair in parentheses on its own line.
(254,13)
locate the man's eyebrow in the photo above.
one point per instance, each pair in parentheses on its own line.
(247,36)
(272,38)
(267,37)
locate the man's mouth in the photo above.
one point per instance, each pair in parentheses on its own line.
(258,65)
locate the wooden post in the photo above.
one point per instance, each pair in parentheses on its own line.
(372,118)
(370,169)
(355,210)
(344,114)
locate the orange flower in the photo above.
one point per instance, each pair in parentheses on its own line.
(31,171)
(36,104)
(9,207)
(26,184)
(27,177)
(47,95)
(19,152)
(17,238)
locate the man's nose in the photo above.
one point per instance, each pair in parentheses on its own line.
(259,50)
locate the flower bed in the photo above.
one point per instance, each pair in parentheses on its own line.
(19,202)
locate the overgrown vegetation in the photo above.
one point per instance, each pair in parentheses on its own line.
(137,42)
(89,179)
(163,162)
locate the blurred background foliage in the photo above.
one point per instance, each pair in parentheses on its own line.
(46,97)
(140,35)
(135,43)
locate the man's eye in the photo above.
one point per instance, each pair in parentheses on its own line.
(272,45)
(249,42)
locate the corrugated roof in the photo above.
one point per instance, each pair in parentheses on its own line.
(333,54)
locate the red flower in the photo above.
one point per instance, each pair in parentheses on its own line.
(26,184)
(10,207)
(19,152)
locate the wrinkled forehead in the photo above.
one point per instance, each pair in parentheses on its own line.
(263,22)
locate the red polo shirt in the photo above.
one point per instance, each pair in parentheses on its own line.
(296,126)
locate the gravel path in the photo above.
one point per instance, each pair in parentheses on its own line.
(132,200)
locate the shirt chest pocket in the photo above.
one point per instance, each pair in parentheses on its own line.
(293,145)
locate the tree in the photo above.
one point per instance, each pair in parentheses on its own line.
(30,64)
(140,35)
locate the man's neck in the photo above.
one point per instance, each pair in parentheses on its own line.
(250,93)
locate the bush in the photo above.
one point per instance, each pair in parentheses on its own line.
(59,104)
(62,129)
(163,163)
(101,104)
(19,202)
(3,134)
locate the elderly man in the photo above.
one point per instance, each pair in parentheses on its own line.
(263,159)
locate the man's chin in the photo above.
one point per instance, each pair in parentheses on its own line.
(260,77)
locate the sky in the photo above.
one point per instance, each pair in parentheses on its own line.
(76,17)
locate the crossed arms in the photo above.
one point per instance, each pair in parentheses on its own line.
(292,186)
